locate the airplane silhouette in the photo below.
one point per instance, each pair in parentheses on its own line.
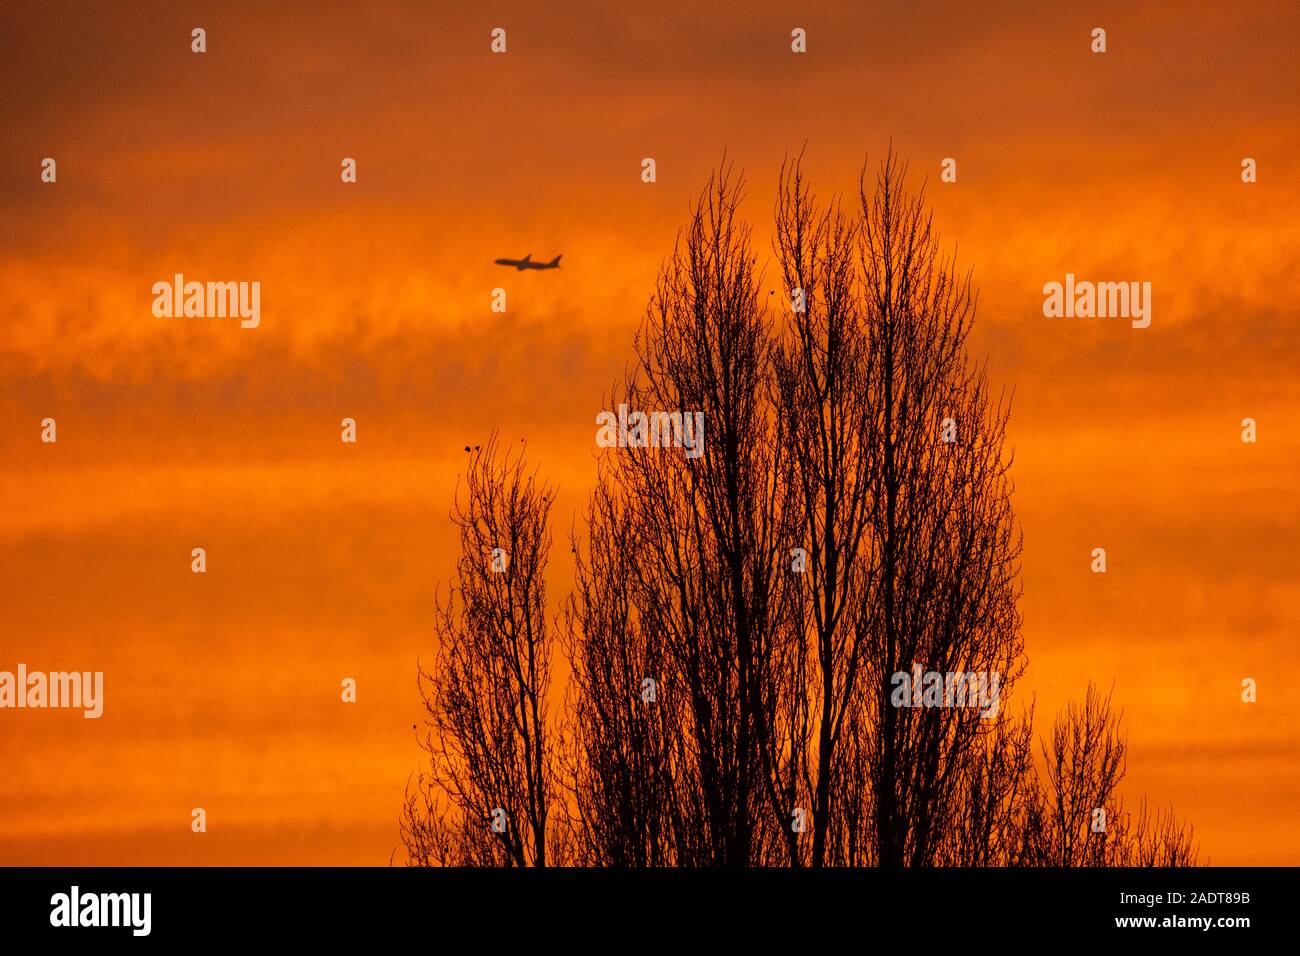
(527,263)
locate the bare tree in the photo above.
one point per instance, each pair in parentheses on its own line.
(747,600)
(997,793)
(944,596)
(703,588)
(823,373)
(623,735)
(1085,763)
(488,796)
(1157,839)
(1079,819)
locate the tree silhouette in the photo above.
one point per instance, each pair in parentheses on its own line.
(622,751)
(702,595)
(1077,818)
(821,372)
(944,597)
(745,607)
(488,795)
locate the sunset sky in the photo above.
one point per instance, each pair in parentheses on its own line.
(324,559)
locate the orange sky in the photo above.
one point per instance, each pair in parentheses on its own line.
(324,558)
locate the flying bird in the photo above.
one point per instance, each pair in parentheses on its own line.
(527,263)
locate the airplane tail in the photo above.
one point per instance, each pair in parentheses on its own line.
(555,263)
